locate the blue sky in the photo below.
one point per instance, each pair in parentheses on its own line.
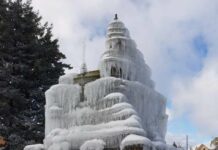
(183,125)
(178,39)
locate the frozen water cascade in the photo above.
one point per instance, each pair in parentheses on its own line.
(111,108)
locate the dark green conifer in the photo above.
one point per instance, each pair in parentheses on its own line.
(30,62)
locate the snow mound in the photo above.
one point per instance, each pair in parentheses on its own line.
(95,144)
(34,147)
(135,140)
(60,146)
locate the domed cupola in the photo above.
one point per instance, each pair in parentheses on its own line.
(117,28)
(122,59)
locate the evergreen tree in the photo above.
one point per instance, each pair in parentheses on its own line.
(30,62)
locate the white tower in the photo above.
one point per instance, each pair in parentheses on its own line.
(122,59)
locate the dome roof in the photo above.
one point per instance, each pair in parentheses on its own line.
(116,24)
(117,28)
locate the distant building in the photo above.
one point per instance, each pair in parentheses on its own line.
(202,147)
(213,145)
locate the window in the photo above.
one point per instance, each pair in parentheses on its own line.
(119,44)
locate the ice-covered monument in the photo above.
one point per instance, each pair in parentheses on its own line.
(115,107)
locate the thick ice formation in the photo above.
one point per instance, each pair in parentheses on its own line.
(119,106)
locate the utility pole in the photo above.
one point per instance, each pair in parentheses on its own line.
(186,142)
(83,71)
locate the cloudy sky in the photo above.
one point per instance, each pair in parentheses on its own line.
(178,39)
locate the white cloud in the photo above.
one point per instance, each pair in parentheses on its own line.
(164,31)
(199,97)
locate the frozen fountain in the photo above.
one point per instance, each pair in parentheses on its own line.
(115,107)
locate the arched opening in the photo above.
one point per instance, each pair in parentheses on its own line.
(119,44)
(115,72)
(121,74)
(110,46)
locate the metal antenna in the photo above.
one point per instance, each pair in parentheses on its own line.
(83,67)
(187,142)
(84,52)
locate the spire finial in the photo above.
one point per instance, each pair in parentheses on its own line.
(83,67)
(84,51)
(115,17)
